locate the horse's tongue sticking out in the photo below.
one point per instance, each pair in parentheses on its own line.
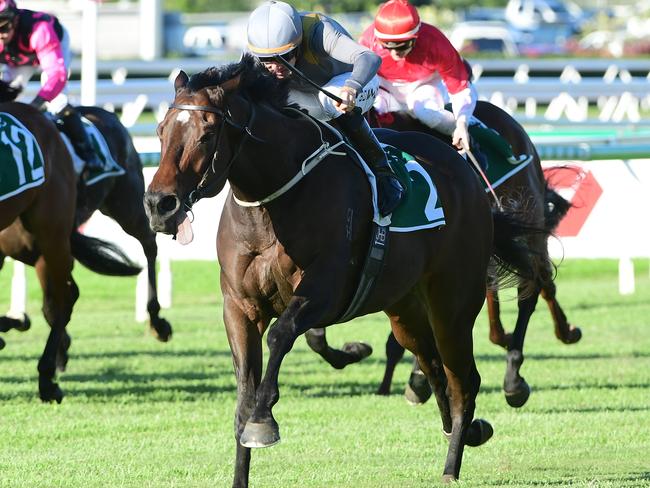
(184,233)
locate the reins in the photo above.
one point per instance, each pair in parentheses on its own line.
(203,187)
(308,164)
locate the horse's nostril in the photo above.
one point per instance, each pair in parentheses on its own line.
(168,204)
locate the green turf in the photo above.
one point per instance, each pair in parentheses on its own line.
(138,413)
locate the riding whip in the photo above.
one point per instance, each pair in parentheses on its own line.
(295,70)
(477,166)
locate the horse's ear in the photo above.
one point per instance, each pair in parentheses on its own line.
(181,81)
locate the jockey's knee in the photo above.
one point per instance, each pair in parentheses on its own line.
(440,120)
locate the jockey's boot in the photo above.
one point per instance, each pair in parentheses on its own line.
(360,135)
(73,127)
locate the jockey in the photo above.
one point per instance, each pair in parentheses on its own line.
(419,68)
(31,40)
(326,54)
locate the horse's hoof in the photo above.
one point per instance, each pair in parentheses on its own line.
(161,329)
(260,434)
(20,322)
(418,389)
(2,344)
(51,393)
(573,336)
(478,433)
(25,323)
(448,478)
(519,397)
(359,350)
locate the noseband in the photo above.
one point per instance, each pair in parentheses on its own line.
(203,187)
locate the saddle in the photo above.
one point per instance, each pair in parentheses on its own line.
(110,167)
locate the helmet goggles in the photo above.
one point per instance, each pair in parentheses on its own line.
(399,46)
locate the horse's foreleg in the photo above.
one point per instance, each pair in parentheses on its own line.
(352,352)
(261,429)
(139,229)
(124,205)
(498,335)
(564,331)
(394,354)
(246,345)
(159,326)
(515,387)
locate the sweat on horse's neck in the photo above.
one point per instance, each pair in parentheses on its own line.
(262,168)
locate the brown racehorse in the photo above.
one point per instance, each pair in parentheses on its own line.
(544,208)
(295,251)
(38,229)
(120,198)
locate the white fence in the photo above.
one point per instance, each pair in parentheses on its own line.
(567,88)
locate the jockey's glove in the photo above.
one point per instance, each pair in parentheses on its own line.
(460,137)
(38,103)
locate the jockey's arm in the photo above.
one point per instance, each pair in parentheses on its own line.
(49,52)
(365,63)
(462,104)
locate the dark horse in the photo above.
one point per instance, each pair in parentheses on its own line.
(37,228)
(541,207)
(296,252)
(120,198)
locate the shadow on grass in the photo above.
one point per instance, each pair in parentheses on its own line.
(582,385)
(632,479)
(74,355)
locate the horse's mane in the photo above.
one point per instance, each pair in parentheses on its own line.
(256,81)
(8,93)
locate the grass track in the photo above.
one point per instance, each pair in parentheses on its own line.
(144,414)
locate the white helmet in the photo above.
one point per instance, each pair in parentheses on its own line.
(274,28)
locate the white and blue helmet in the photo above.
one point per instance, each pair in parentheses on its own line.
(274,29)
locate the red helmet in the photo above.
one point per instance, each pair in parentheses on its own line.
(397,20)
(8,9)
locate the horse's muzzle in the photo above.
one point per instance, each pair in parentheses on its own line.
(161,209)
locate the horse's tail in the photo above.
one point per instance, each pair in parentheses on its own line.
(555,208)
(101,256)
(514,261)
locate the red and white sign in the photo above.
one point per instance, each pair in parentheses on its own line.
(609,214)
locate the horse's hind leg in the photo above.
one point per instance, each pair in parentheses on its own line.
(563,330)
(498,335)
(352,352)
(59,295)
(515,387)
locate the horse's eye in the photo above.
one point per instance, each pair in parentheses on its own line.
(206,139)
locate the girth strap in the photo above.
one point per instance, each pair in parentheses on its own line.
(371,269)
